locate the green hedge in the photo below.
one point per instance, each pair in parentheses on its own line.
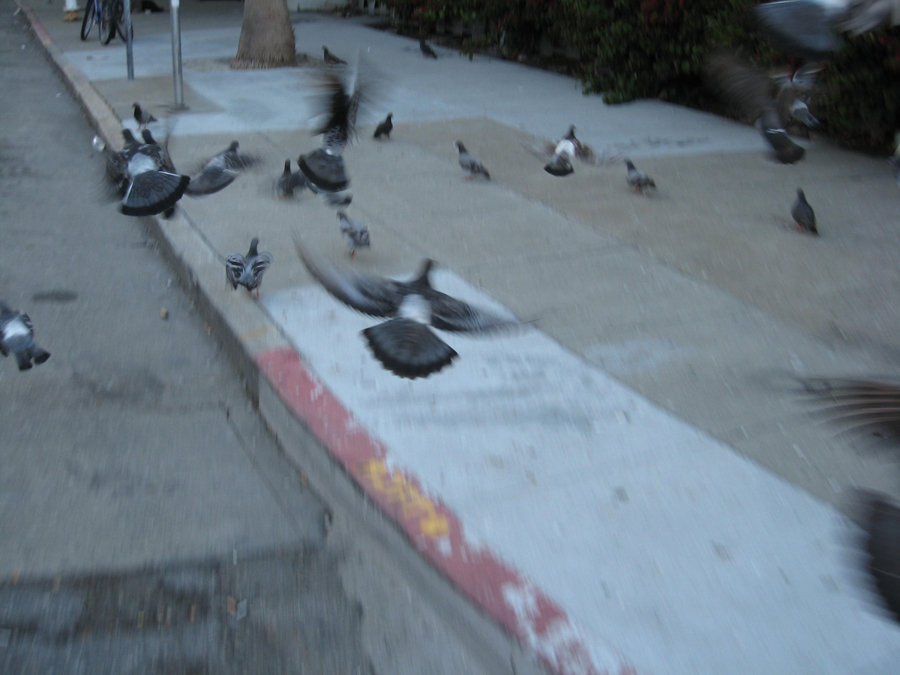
(630,49)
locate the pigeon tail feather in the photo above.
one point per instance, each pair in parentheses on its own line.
(408,348)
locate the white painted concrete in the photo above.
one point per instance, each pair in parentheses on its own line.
(654,537)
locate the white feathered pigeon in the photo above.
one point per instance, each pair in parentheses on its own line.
(17,336)
(247,270)
(405,344)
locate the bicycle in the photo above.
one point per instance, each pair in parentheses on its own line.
(109,15)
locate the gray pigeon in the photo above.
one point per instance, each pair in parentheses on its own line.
(17,336)
(220,171)
(638,180)
(331,59)
(247,271)
(355,234)
(470,164)
(873,408)
(141,116)
(148,180)
(794,91)
(385,128)
(426,49)
(803,215)
(748,89)
(341,96)
(289,182)
(405,343)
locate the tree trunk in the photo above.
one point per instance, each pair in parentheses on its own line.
(267,36)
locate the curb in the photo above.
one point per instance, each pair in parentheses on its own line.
(354,466)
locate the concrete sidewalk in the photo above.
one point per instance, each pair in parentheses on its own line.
(631,485)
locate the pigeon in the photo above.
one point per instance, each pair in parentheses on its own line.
(583,151)
(872,407)
(247,271)
(561,163)
(355,233)
(803,215)
(427,51)
(288,182)
(219,172)
(470,164)
(404,344)
(331,59)
(116,163)
(339,101)
(385,128)
(800,27)
(747,88)
(638,180)
(17,336)
(141,116)
(794,91)
(144,176)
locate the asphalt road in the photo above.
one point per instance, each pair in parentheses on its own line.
(149,522)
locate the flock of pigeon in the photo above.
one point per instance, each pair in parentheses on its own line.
(144,179)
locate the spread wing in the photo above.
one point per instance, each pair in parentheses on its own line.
(450,314)
(366,293)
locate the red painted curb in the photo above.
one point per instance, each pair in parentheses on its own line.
(494,586)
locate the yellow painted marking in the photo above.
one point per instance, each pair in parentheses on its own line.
(413,504)
(255,333)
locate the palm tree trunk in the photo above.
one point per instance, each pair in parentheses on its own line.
(267,37)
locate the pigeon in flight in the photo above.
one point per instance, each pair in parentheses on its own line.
(803,215)
(404,344)
(870,407)
(340,97)
(638,180)
(563,156)
(559,155)
(794,91)
(219,172)
(748,89)
(141,116)
(247,270)
(17,336)
(142,174)
(427,51)
(289,182)
(385,128)
(470,164)
(355,234)
(331,59)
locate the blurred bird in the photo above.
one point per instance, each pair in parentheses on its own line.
(247,271)
(563,156)
(355,233)
(871,407)
(339,101)
(143,175)
(141,116)
(427,51)
(559,155)
(794,92)
(385,128)
(219,171)
(803,215)
(638,180)
(748,89)
(289,182)
(17,336)
(331,59)
(404,344)
(470,163)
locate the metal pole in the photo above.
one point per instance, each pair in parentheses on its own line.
(129,40)
(176,55)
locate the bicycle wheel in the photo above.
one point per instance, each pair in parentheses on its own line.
(88,21)
(107,22)
(119,13)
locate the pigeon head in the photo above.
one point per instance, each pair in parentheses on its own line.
(571,134)
(287,166)
(800,195)
(147,136)
(629,164)
(424,271)
(129,137)
(233,146)
(460,146)
(253,244)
